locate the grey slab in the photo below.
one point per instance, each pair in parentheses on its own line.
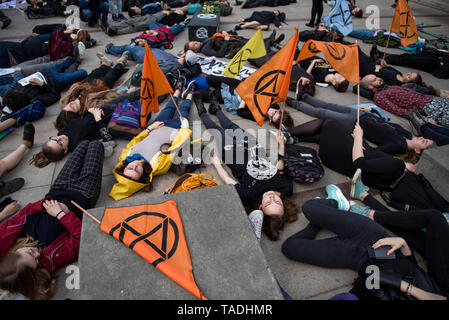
(227,260)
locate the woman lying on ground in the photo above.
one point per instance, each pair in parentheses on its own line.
(260,184)
(139,161)
(75,102)
(45,235)
(356,236)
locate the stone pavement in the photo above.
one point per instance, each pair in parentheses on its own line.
(299,280)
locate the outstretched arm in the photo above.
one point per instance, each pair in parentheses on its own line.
(221,171)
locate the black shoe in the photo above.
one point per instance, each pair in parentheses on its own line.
(90,43)
(28,133)
(311,25)
(199,104)
(415,122)
(233,32)
(6,23)
(104,27)
(299,91)
(213,96)
(213,108)
(191,88)
(238,27)
(238,2)
(11,186)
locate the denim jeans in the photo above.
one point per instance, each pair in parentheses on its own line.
(176,29)
(169,115)
(115,10)
(65,79)
(137,52)
(92,14)
(363,34)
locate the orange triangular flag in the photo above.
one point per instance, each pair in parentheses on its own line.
(153,84)
(404,24)
(269,84)
(343,58)
(154,232)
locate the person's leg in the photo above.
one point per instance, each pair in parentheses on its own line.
(169,110)
(113,74)
(153,25)
(184,108)
(379,170)
(116,50)
(354,234)
(216,81)
(309,131)
(13,159)
(88,14)
(177,29)
(45,37)
(324,111)
(112,9)
(66,79)
(104,10)
(362,34)
(254,25)
(319,11)
(313,13)
(33,68)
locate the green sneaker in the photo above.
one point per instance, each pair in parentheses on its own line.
(357,186)
(334,192)
(356,208)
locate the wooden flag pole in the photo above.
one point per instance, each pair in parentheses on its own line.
(176,105)
(386,48)
(358,102)
(82,209)
(282,115)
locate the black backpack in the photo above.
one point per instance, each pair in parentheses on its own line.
(302,164)
(415,192)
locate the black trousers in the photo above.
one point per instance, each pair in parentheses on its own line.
(432,244)
(107,74)
(317,11)
(347,250)
(82,171)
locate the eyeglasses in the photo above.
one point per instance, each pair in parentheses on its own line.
(57,140)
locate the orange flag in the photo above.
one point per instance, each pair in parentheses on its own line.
(343,58)
(269,84)
(404,24)
(153,84)
(155,233)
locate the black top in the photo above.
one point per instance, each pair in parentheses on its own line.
(84,128)
(389,76)
(265,18)
(43,227)
(251,190)
(320,73)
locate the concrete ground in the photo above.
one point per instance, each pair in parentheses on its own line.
(299,280)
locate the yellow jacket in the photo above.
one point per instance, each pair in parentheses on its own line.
(160,163)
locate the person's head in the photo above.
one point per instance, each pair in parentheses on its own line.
(274,115)
(339,82)
(64,119)
(195,46)
(20,271)
(357,12)
(53,150)
(133,11)
(16,99)
(137,170)
(276,12)
(151,32)
(277,212)
(372,83)
(418,144)
(412,77)
(73,106)
(308,85)
(321,27)
(81,36)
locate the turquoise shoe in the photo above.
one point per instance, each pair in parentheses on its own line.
(356,208)
(357,186)
(334,192)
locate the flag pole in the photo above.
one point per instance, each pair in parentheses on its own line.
(386,48)
(88,214)
(358,90)
(282,114)
(176,105)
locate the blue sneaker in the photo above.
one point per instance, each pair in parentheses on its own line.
(356,208)
(446,215)
(357,186)
(334,192)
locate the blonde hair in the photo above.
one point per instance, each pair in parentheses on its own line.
(37,284)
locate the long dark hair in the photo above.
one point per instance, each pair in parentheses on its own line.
(145,178)
(46,156)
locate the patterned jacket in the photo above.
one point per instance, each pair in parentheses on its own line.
(400,100)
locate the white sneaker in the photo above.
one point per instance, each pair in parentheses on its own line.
(103,58)
(256,219)
(81,49)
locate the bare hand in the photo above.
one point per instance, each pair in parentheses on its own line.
(394,242)
(410,167)
(215,160)
(52,207)
(96,112)
(280,27)
(358,131)
(36,82)
(155,125)
(280,137)
(9,210)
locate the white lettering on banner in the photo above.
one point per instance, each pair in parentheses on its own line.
(216,67)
